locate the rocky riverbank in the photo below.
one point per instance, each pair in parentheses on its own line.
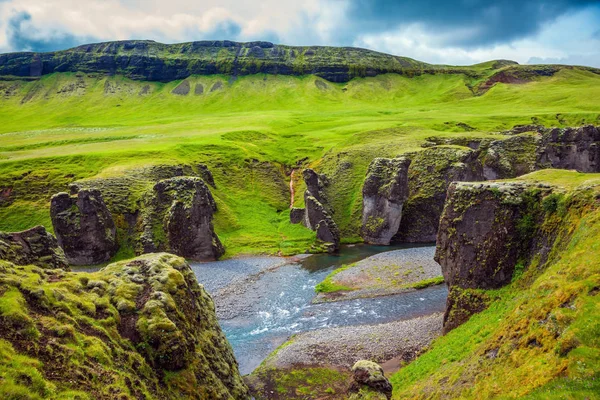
(341,347)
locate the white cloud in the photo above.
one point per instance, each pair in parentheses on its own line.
(570,38)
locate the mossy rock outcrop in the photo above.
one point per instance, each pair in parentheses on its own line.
(142,328)
(84,227)
(316,215)
(571,148)
(34,246)
(487,231)
(162,208)
(384,193)
(178,218)
(429,174)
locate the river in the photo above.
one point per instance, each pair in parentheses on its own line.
(277,303)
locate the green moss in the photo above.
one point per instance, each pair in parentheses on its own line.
(328,285)
(438,280)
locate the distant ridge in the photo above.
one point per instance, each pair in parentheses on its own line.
(153,61)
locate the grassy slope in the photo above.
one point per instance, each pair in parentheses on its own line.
(55,138)
(540,337)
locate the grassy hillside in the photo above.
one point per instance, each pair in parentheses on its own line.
(540,336)
(251,132)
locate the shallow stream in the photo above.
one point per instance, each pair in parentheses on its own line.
(278,302)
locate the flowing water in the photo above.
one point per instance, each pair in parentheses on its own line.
(283,305)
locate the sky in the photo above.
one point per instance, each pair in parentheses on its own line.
(436,31)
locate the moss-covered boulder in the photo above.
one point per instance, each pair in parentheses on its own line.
(142,328)
(34,246)
(487,230)
(178,218)
(84,227)
(384,192)
(369,382)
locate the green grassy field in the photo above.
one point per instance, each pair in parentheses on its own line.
(67,127)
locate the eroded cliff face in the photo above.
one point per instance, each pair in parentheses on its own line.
(159,208)
(178,218)
(84,227)
(523,150)
(429,174)
(487,231)
(34,246)
(316,214)
(384,193)
(142,328)
(571,148)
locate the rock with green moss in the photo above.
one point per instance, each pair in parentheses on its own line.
(486,230)
(571,148)
(511,157)
(429,175)
(384,192)
(369,382)
(178,218)
(317,213)
(142,328)
(33,246)
(84,227)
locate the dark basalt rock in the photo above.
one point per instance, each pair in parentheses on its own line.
(511,157)
(178,219)
(317,215)
(485,231)
(84,227)
(369,382)
(384,192)
(34,246)
(430,173)
(571,148)
(297,215)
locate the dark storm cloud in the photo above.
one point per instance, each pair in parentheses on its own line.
(22,35)
(488,22)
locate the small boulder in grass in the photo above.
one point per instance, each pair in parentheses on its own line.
(369,382)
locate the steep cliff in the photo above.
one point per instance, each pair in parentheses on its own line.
(178,218)
(429,174)
(142,328)
(571,148)
(384,192)
(523,255)
(487,231)
(316,214)
(84,227)
(159,208)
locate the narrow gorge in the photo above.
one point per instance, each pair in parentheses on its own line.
(224,220)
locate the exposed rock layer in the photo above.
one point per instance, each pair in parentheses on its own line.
(384,192)
(84,227)
(486,231)
(317,214)
(525,149)
(178,218)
